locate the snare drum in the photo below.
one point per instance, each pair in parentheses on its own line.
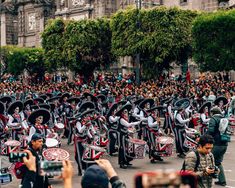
(100,140)
(190,143)
(192,133)
(164,146)
(55,154)
(92,153)
(12,146)
(3,149)
(52,143)
(59,126)
(136,148)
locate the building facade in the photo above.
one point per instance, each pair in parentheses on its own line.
(22,21)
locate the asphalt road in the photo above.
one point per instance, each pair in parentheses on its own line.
(127,175)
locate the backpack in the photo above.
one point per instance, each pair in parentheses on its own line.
(225,130)
(197,162)
(19,170)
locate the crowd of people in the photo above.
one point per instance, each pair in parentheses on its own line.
(112,114)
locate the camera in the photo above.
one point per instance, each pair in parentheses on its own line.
(17,157)
(216,171)
(5,178)
(50,168)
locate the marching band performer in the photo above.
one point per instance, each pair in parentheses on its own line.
(123,126)
(16,121)
(180,126)
(169,117)
(153,130)
(231,110)
(3,121)
(204,116)
(38,119)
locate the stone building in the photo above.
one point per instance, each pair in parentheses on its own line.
(23,20)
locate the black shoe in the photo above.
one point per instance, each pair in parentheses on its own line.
(153,161)
(220,183)
(123,166)
(128,164)
(159,158)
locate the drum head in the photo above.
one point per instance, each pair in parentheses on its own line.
(96,148)
(59,125)
(165,140)
(12,143)
(55,154)
(51,142)
(137,141)
(52,135)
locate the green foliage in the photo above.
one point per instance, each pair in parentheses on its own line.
(19,59)
(160,35)
(78,45)
(214,41)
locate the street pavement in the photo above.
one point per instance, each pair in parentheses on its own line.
(141,165)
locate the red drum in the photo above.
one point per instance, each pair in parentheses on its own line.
(100,140)
(192,133)
(232,124)
(59,126)
(55,154)
(52,143)
(52,135)
(190,143)
(92,153)
(164,146)
(196,120)
(136,148)
(12,146)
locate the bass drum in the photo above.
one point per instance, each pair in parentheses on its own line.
(164,146)
(92,153)
(136,148)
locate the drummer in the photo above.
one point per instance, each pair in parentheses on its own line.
(38,119)
(231,110)
(3,121)
(204,116)
(83,133)
(27,107)
(153,130)
(123,126)
(16,121)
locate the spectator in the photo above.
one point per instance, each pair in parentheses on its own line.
(201,161)
(220,147)
(99,176)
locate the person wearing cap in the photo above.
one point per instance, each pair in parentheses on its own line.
(180,126)
(35,147)
(220,147)
(100,175)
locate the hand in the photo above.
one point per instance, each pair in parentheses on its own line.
(67,171)
(30,162)
(107,167)
(209,171)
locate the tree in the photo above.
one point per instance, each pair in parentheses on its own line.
(160,35)
(214,41)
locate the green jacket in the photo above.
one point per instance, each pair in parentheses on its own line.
(213,130)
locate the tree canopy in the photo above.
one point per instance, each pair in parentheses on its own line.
(214,41)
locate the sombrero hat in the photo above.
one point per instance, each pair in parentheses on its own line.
(74,99)
(52,106)
(86,112)
(38,100)
(49,95)
(2,108)
(207,104)
(14,105)
(102,97)
(127,106)
(182,103)
(6,99)
(86,105)
(167,100)
(93,98)
(145,101)
(64,95)
(28,102)
(220,98)
(40,112)
(44,96)
(138,101)
(112,108)
(34,107)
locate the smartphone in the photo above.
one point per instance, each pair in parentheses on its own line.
(17,157)
(165,180)
(50,168)
(5,178)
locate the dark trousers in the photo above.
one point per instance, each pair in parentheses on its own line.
(180,135)
(113,138)
(78,156)
(122,154)
(218,152)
